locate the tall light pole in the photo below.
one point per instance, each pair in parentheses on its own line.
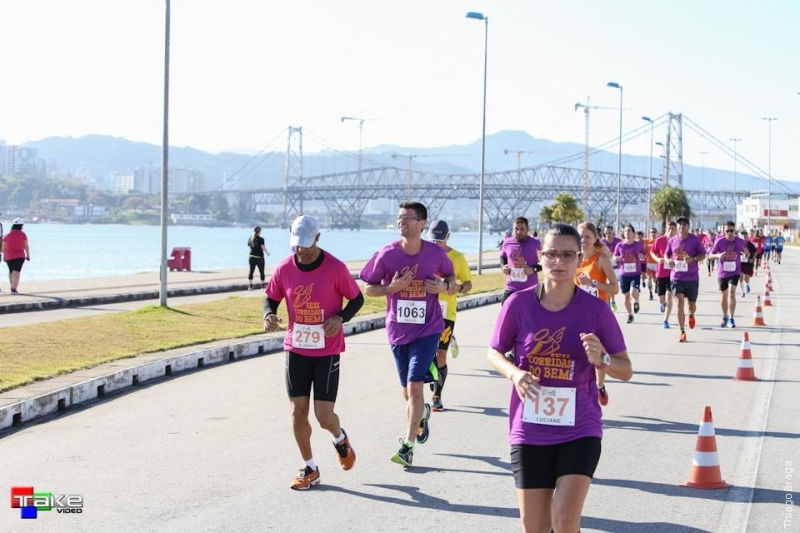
(411,157)
(650,180)
(162,288)
(703,186)
(664,165)
(769,174)
(735,160)
(485,19)
(615,85)
(360,131)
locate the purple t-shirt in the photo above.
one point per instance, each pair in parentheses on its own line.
(678,249)
(612,244)
(630,266)
(730,264)
(519,255)
(411,313)
(548,344)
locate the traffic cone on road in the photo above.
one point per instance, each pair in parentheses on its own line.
(758,316)
(744,367)
(767,301)
(705,473)
(769,280)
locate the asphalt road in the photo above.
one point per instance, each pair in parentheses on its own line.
(213,451)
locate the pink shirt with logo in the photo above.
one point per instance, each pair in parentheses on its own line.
(311,298)
(548,344)
(430,262)
(731,257)
(658,248)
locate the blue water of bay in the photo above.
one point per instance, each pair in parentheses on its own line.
(66,251)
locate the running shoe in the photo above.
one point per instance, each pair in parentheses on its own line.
(692,322)
(682,337)
(404,456)
(602,396)
(306,478)
(636,307)
(724,322)
(453,348)
(437,404)
(662,307)
(250,287)
(731,323)
(424,430)
(613,306)
(630,319)
(347,457)
(14,291)
(666,324)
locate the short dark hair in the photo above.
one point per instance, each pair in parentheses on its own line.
(521,220)
(564,230)
(421,210)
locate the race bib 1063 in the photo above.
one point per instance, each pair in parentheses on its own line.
(411,311)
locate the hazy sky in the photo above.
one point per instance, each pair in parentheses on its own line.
(244,70)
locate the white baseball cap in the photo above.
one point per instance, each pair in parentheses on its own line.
(304,231)
(19,221)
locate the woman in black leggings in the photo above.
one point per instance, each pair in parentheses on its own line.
(257,251)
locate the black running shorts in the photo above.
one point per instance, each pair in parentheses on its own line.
(538,467)
(303,371)
(447,334)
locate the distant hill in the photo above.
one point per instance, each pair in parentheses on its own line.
(100,155)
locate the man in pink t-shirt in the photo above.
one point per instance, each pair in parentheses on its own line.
(411,273)
(314,283)
(663,271)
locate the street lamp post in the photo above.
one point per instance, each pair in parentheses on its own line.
(664,164)
(650,179)
(735,160)
(703,186)
(615,85)
(162,288)
(360,151)
(769,174)
(485,19)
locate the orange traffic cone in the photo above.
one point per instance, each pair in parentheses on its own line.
(705,473)
(767,302)
(758,316)
(769,281)
(744,367)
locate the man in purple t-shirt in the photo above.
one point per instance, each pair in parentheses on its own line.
(630,256)
(411,273)
(684,251)
(519,258)
(728,250)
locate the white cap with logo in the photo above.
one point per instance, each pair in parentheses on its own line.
(19,221)
(304,231)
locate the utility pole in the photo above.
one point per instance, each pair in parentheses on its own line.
(586,108)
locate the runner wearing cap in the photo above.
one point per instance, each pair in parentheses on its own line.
(728,250)
(747,264)
(684,251)
(313,282)
(439,233)
(519,258)
(663,272)
(611,241)
(596,276)
(559,336)
(411,273)
(630,258)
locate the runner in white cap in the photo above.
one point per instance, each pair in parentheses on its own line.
(313,282)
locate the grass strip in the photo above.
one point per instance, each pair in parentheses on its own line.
(42,351)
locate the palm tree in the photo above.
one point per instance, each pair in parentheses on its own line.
(670,202)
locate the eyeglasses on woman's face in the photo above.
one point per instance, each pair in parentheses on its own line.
(566,256)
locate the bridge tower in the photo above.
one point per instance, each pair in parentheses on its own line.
(673,154)
(293,205)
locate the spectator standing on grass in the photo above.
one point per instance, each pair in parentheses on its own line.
(15,252)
